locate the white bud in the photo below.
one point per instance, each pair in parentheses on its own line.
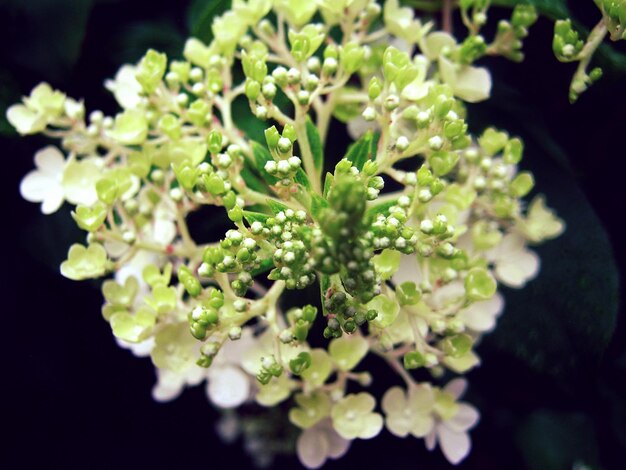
(435,142)
(402,143)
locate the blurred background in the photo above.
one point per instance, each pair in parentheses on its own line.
(551,390)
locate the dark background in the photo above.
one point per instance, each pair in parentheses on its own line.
(551,388)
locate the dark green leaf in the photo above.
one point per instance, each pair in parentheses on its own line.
(50,34)
(255,217)
(380,208)
(328,182)
(302,179)
(359,152)
(316,145)
(317,204)
(276,207)
(250,175)
(200,17)
(553,441)
(561,323)
(265,266)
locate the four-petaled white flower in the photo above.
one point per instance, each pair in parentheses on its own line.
(452,422)
(45,183)
(409,412)
(320,442)
(125,87)
(514,264)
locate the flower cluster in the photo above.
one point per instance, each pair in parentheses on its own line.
(409,274)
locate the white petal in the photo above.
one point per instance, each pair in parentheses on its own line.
(168,387)
(473,84)
(456,387)
(394,400)
(481,316)
(466,418)
(35,186)
(25,120)
(163,231)
(228,386)
(50,161)
(454,445)
(53,200)
(141,349)
(436,41)
(312,448)
(447,295)
(115,248)
(409,270)
(517,270)
(359,126)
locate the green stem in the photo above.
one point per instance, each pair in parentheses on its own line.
(305,149)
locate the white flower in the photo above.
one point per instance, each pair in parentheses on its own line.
(229,386)
(514,264)
(481,316)
(141,349)
(409,413)
(453,421)
(320,442)
(45,183)
(125,87)
(170,384)
(471,84)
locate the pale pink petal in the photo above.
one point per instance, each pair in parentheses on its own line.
(454,445)
(312,447)
(466,418)
(431,440)
(337,445)
(50,161)
(456,387)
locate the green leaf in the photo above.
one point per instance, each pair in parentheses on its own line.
(200,16)
(254,217)
(276,207)
(361,151)
(316,145)
(317,204)
(265,266)
(328,182)
(302,179)
(561,335)
(252,178)
(380,208)
(50,35)
(553,440)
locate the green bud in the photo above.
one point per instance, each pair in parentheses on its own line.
(192,285)
(214,140)
(407,293)
(235,214)
(522,184)
(414,360)
(457,345)
(300,363)
(479,285)
(252,89)
(151,70)
(374,88)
